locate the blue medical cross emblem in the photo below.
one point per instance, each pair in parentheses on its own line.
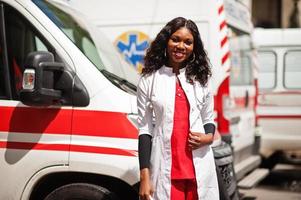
(133,50)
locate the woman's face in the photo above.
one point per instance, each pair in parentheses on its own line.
(179,47)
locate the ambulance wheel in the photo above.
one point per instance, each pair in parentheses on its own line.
(81,191)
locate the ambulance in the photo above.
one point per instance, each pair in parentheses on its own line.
(226,30)
(67,108)
(279,100)
(68,105)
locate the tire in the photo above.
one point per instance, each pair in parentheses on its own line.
(271,161)
(81,191)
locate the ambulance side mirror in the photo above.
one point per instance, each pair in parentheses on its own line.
(46,82)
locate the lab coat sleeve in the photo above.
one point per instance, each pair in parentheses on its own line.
(144,109)
(208,107)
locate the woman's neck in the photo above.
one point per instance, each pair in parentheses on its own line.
(175,68)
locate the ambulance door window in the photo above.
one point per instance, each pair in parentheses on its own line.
(4,75)
(241,59)
(2,70)
(22,38)
(2,83)
(267,69)
(292,69)
(241,71)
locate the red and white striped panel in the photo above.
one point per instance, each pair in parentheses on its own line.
(50,129)
(224,42)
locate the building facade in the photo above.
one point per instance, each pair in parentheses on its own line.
(276,13)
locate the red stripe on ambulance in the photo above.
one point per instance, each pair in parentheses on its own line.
(60,121)
(105,124)
(279,117)
(66,147)
(223,36)
(220,9)
(222,25)
(35,120)
(225,57)
(224,41)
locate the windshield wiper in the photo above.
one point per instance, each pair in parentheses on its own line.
(120,81)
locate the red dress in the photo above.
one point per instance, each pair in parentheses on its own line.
(182,164)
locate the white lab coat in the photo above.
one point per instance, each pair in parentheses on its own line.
(160,98)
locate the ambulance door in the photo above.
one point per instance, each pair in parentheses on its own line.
(242,94)
(31,138)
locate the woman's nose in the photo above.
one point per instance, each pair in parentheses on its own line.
(180,45)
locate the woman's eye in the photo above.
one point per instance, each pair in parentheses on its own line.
(174,39)
(188,42)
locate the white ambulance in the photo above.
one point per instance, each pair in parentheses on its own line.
(75,138)
(225,28)
(279,100)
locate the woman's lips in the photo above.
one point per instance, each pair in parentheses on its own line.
(178,55)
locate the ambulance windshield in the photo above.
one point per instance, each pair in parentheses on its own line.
(91,42)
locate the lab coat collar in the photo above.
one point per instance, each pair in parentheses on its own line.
(168,70)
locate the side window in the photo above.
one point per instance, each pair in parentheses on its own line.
(22,38)
(2,77)
(241,71)
(292,69)
(267,70)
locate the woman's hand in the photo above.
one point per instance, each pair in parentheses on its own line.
(197,140)
(146,189)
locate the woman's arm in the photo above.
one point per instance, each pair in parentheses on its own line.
(144,150)
(144,142)
(207,111)
(145,112)
(209,128)
(145,125)
(197,140)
